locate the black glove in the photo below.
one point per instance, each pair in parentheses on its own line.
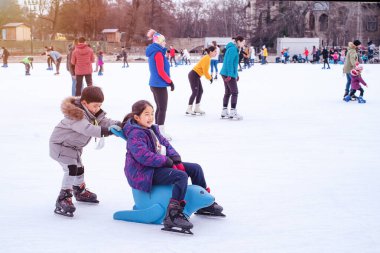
(171,86)
(176,159)
(211,80)
(168,163)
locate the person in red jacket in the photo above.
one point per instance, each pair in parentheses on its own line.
(82,58)
(172,56)
(306,53)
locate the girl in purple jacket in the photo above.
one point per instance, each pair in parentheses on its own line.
(151,160)
(356,79)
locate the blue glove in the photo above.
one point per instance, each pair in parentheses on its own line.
(116,127)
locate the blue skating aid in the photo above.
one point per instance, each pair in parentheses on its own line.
(150,208)
(347,98)
(361,100)
(118,133)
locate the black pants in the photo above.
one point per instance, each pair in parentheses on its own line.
(352,92)
(125,61)
(27,68)
(161,98)
(230,90)
(326,60)
(79,86)
(196,87)
(172,58)
(178,178)
(5,60)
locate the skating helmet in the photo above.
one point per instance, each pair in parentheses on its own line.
(359,67)
(354,72)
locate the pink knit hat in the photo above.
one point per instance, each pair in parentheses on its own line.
(155,36)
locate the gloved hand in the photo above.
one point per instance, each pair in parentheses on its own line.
(227,79)
(237,79)
(168,163)
(211,80)
(176,159)
(179,166)
(116,127)
(171,86)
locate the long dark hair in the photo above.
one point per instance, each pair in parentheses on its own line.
(137,109)
(238,38)
(210,49)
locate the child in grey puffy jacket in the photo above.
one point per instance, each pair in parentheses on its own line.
(83,119)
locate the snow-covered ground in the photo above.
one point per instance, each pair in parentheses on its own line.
(300,173)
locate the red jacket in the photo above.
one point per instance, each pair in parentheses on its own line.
(172,52)
(306,52)
(82,58)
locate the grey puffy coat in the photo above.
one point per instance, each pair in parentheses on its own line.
(75,131)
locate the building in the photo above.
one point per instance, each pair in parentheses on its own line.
(112,35)
(15,31)
(335,23)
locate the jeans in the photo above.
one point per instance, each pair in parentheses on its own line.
(214,64)
(348,84)
(178,178)
(73,86)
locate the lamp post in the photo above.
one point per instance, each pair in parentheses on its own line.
(31,5)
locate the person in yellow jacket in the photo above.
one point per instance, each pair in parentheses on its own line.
(200,69)
(264,55)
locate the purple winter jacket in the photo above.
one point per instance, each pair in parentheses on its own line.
(142,157)
(355,82)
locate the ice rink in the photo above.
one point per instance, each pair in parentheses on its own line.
(300,173)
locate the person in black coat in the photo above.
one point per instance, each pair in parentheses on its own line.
(325,55)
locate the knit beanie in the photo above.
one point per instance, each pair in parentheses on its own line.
(357,42)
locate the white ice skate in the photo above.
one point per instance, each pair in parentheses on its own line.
(198,111)
(225,114)
(234,115)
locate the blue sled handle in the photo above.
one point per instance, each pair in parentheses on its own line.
(118,133)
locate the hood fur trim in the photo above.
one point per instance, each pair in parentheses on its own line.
(70,109)
(351,45)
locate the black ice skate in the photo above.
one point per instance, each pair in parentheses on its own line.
(83,195)
(175,220)
(64,206)
(213,210)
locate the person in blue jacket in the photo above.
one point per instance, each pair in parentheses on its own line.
(159,80)
(230,77)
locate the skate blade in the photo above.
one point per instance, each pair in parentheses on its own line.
(67,214)
(199,114)
(212,214)
(88,202)
(236,118)
(190,115)
(181,231)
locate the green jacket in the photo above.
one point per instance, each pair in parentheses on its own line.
(26,60)
(351,58)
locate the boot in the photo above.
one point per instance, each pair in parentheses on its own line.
(212,210)
(83,195)
(174,216)
(225,114)
(216,77)
(163,133)
(189,110)
(234,114)
(64,205)
(198,110)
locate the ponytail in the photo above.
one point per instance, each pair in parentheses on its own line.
(210,49)
(137,109)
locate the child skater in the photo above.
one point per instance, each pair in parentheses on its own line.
(100,63)
(200,69)
(83,119)
(356,79)
(151,160)
(28,62)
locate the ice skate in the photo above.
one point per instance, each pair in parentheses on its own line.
(234,115)
(225,114)
(189,111)
(361,100)
(347,98)
(214,210)
(216,77)
(175,220)
(197,110)
(83,195)
(64,205)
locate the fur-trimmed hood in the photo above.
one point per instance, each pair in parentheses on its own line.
(72,108)
(351,45)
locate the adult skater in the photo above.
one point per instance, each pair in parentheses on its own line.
(56,59)
(172,56)
(215,60)
(230,77)
(200,69)
(152,160)
(124,54)
(70,67)
(325,55)
(349,64)
(159,80)
(82,58)
(5,54)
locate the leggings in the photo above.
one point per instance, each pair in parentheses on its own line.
(196,87)
(352,92)
(230,90)
(161,98)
